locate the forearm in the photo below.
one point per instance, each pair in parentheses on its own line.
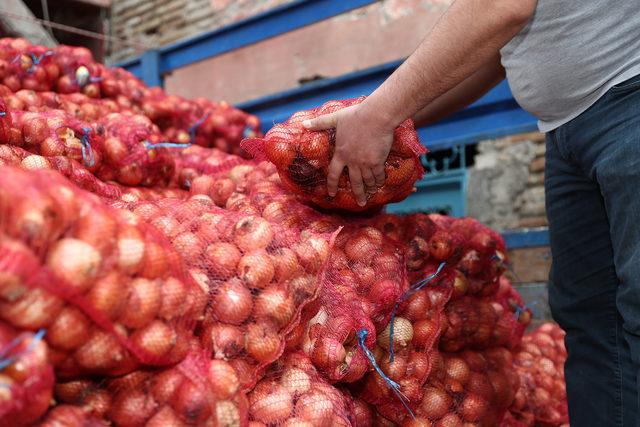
(466,37)
(462,95)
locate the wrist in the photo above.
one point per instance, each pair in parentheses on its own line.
(379,114)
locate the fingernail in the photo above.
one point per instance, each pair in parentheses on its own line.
(362,202)
(306,123)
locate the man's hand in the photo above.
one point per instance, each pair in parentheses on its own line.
(362,144)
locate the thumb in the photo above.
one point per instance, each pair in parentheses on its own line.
(327,121)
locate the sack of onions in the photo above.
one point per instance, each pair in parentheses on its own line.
(294,393)
(55,133)
(467,388)
(71,169)
(302,158)
(78,71)
(539,362)
(26,376)
(134,153)
(364,278)
(70,415)
(479,323)
(207,168)
(360,413)
(196,392)
(259,274)
(27,66)
(110,290)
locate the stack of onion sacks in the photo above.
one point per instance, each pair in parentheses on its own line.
(110,290)
(294,393)
(302,158)
(26,376)
(198,391)
(539,361)
(260,275)
(364,277)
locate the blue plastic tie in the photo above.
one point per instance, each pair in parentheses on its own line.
(395,387)
(151,146)
(35,60)
(246,133)
(412,290)
(87,151)
(3,113)
(194,127)
(6,361)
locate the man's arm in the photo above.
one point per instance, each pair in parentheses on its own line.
(464,94)
(468,34)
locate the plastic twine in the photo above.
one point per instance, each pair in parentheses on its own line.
(151,146)
(395,387)
(194,127)
(3,113)
(87,151)
(412,290)
(8,360)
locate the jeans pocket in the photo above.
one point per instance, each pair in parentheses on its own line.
(628,85)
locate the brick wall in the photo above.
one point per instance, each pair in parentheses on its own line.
(156,23)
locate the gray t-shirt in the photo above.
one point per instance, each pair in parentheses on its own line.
(570,54)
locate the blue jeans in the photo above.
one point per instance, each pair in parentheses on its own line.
(592,183)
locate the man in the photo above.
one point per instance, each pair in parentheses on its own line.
(576,66)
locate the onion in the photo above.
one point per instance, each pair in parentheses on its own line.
(142,303)
(173,294)
(457,369)
(449,420)
(253,233)
(232,302)
(102,351)
(417,307)
(201,185)
(155,340)
(97,230)
(131,408)
(425,333)
(35,130)
(315,406)
(270,403)
(395,370)
(417,422)
(418,365)
(115,150)
(296,381)
(256,269)
(164,385)
(441,245)
(402,334)
(224,341)
(262,342)
(131,249)
(75,261)
(224,258)
(188,245)
(98,402)
(227,414)
(285,263)
(435,403)
(360,248)
(69,330)
(105,295)
(193,402)
(221,190)
(165,417)
(328,354)
(222,379)
(36,309)
(362,414)
(274,303)
(473,407)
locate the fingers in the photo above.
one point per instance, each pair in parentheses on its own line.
(357,186)
(369,180)
(379,175)
(327,121)
(335,170)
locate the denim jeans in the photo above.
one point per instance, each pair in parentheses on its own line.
(592,184)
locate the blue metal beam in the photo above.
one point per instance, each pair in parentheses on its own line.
(274,22)
(517,239)
(494,115)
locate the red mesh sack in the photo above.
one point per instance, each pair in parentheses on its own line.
(55,133)
(360,413)
(207,167)
(467,387)
(479,323)
(69,415)
(5,121)
(294,393)
(302,159)
(26,66)
(364,278)
(539,361)
(196,392)
(26,376)
(110,290)
(72,170)
(78,71)
(259,275)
